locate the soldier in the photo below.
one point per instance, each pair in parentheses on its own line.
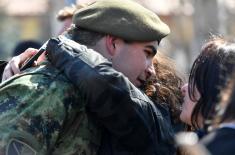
(43,113)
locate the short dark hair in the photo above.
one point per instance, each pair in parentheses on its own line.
(87,37)
(83,36)
(209,73)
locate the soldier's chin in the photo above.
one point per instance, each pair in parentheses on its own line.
(139,84)
(142,86)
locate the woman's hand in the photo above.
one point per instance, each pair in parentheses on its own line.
(13,66)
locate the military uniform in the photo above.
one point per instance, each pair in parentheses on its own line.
(42,113)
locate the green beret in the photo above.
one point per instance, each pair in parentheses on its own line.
(121,18)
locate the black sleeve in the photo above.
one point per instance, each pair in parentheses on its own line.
(2,67)
(111,99)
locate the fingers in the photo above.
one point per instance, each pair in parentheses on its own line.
(42,57)
(27,54)
(7,73)
(13,66)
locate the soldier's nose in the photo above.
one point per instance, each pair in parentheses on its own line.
(150,71)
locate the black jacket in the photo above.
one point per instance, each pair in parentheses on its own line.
(2,66)
(220,142)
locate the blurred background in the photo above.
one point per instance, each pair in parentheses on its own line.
(191,23)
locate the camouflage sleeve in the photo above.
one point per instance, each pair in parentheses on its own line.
(32,111)
(111,99)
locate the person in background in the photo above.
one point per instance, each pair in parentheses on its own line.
(24,45)
(65,15)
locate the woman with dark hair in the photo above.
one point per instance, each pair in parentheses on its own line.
(208,76)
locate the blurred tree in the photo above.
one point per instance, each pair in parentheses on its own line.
(206,22)
(70,2)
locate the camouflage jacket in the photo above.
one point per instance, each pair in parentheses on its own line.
(42,113)
(134,123)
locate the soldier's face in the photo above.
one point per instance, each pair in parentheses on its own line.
(134,60)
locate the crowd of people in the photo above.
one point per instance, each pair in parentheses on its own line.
(103,87)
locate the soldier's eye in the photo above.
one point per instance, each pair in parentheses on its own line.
(148,53)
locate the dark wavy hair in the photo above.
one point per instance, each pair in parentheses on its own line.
(165,87)
(225,110)
(209,74)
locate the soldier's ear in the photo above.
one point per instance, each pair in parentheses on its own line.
(111,44)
